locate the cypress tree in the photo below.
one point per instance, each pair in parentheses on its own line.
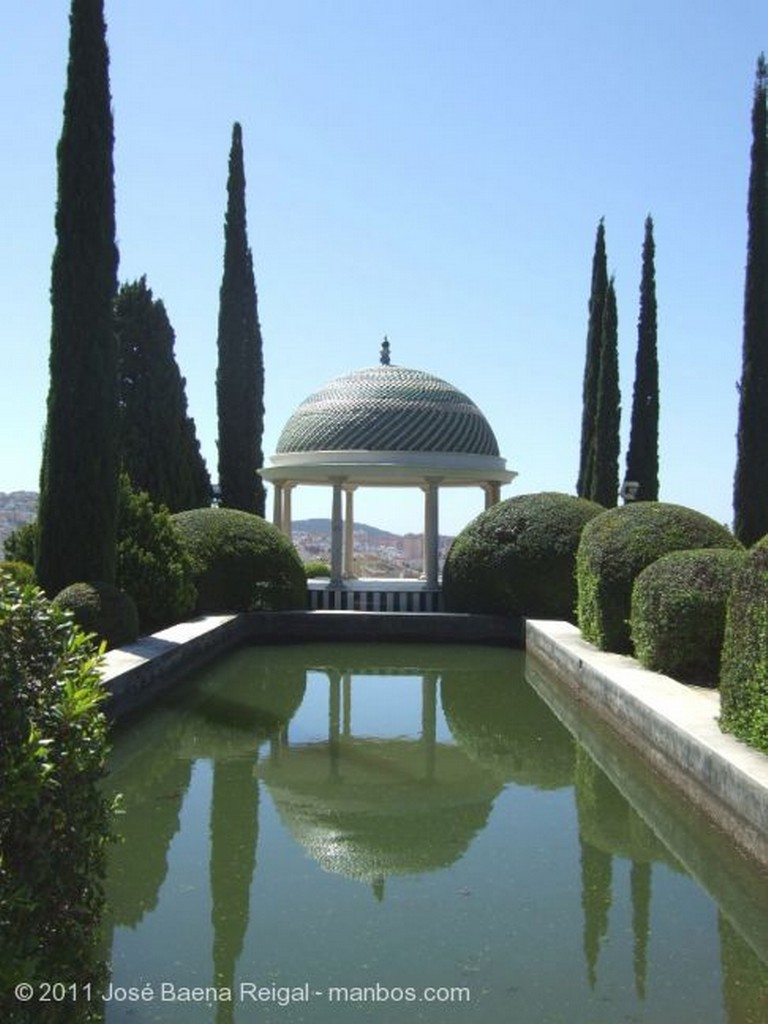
(750,492)
(158,443)
(240,374)
(584,486)
(643,451)
(78,480)
(605,480)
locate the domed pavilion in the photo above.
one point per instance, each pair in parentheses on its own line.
(384,426)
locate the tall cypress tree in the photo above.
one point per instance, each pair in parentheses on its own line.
(240,374)
(158,442)
(750,492)
(78,480)
(605,480)
(584,486)
(643,451)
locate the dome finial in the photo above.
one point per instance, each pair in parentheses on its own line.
(384,354)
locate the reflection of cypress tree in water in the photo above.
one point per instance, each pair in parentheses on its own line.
(609,826)
(640,881)
(234,836)
(745,978)
(149,819)
(502,723)
(596,881)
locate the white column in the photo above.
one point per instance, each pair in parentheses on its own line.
(337,534)
(349,532)
(431,531)
(286,517)
(277,505)
(492,493)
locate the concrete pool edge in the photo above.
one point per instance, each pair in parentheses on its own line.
(673,726)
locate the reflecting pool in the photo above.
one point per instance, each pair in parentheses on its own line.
(397,833)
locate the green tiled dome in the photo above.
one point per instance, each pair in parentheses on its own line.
(388,408)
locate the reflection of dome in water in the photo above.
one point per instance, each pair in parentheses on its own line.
(378,810)
(388,408)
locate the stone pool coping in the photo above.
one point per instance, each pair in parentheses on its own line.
(672,726)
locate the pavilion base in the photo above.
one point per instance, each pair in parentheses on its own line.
(373,595)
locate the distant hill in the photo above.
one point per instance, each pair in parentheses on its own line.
(16,508)
(323,527)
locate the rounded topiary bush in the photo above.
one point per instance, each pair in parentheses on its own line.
(518,557)
(617,545)
(678,612)
(103,609)
(744,662)
(240,562)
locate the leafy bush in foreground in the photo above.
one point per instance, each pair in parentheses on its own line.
(678,612)
(744,663)
(617,545)
(240,562)
(518,557)
(54,821)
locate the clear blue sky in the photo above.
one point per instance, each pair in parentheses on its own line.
(430,170)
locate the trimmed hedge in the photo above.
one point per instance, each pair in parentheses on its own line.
(678,612)
(617,545)
(744,664)
(103,609)
(55,822)
(240,562)
(518,557)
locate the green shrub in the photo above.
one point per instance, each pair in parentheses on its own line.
(103,609)
(744,663)
(240,562)
(618,544)
(20,543)
(21,572)
(518,558)
(152,565)
(316,569)
(54,821)
(678,612)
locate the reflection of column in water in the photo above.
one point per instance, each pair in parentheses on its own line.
(429,721)
(234,835)
(334,720)
(640,881)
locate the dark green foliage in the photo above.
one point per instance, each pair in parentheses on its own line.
(617,545)
(240,373)
(20,572)
(643,451)
(152,565)
(744,665)
(54,820)
(315,570)
(102,609)
(518,558)
(678,613)
(78,479)
(605,479)
(158,443)
(20,545)
(584,486)
(750,492)
(240,562)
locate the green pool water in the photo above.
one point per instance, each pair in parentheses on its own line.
(388,833)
